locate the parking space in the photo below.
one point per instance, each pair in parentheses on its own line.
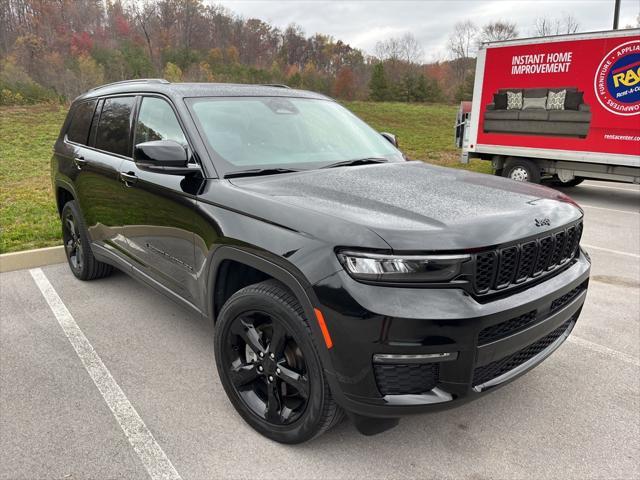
(575,416)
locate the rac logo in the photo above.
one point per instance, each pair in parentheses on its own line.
(617,79)
(542,222)
(629,77)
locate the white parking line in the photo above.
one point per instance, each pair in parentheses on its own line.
(141,439)
(596,347)
(617,252)
(610,209)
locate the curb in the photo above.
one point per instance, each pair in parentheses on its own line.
(38,257)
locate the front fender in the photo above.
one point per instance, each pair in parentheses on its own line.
(290,276)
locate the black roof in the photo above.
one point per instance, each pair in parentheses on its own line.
(183,90)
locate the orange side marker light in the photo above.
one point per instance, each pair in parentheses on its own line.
(323,328)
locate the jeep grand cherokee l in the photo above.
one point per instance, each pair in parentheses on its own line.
(340,276)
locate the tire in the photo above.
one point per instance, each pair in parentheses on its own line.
(522,170)
(248,325)
(77,246)
(571,183)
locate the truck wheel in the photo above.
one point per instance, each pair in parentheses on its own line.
(269,366)
(521,170)
(77,246)
(571,183)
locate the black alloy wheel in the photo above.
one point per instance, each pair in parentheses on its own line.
(270,366)
(77,246)
(267,368)
(72,241)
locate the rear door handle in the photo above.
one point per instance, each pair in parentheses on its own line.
(128,178)
(80,162)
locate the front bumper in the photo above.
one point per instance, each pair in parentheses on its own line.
(486,344)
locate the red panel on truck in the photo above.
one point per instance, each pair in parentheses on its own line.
(581,95)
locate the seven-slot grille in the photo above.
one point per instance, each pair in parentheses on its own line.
(515,264)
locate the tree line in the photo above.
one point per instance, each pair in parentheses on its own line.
(53,50)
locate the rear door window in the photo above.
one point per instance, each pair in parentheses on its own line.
(78,131)
(114,127)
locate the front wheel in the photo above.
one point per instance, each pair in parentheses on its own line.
(521,170)
(269,365)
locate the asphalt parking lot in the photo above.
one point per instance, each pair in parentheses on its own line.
(575,416)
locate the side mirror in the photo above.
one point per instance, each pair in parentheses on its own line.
(165,156)
(391,138)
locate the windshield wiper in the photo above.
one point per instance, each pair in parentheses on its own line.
(357,161)
(253,172)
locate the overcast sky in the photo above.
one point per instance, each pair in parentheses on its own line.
(361,23)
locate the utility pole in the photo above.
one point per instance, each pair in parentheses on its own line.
(616,14)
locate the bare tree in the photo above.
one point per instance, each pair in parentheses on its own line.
(570,24)
(411,50)
(389,49)
(145,13)
(545,26)
(499,30)
(401,56)
(462,46)
(405,49)
(462,40)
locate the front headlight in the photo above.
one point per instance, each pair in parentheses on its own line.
(401,268)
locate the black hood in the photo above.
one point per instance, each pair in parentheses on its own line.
(416,206)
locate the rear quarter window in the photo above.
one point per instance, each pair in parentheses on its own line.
(78,131)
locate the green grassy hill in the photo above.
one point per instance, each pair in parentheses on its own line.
(28,217)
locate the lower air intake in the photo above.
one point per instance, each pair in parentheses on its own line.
(500,367)
(403,379)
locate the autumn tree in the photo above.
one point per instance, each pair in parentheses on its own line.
(90,74)
(60,46)
(344,86)
(172,72)
(311,79)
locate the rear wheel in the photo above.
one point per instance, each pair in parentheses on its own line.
(521,170)
(571,183)
(77,246)
(269,366)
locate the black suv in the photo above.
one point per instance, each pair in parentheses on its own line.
(340,276)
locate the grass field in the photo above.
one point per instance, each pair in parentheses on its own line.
(28,217)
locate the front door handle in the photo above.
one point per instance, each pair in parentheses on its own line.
(80,162)
(128,178)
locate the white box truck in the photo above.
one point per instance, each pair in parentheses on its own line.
(560,108)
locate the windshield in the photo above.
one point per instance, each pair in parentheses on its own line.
(292,133)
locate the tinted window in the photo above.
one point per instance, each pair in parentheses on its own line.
(156,121)
(80,123)
(114,128)
(94,123)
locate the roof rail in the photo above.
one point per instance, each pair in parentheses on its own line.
(137,80)
(278,85)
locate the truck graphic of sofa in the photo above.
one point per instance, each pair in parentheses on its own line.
(573,120)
